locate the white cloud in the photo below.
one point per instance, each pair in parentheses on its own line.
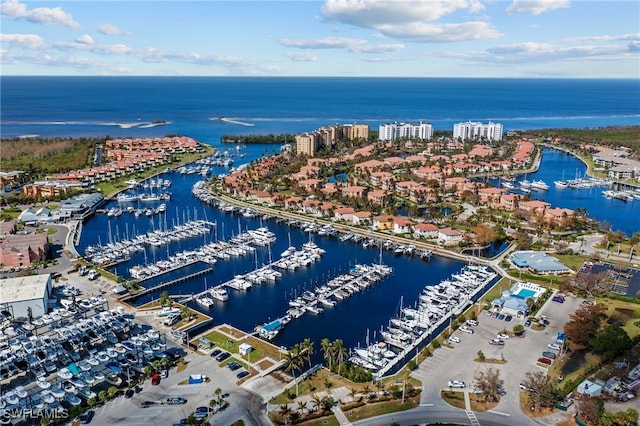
(110,29)
(302,57)
(412,20)
(41,15)
(25,41)
(372,13)
(623,37)
(350,44)
(437,33)
(535,53)
(536,7)
(84,39)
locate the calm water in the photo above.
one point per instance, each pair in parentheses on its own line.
(88,106)
(348,320)
(557,165)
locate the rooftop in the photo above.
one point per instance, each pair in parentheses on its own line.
(24,288)
(538,261)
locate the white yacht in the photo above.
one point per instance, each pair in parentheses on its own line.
(220,293)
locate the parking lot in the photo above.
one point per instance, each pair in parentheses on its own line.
(521,355)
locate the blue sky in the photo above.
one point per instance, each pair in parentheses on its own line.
(448,38)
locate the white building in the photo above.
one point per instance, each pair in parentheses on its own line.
(22,293)
(393,131)
(476,130)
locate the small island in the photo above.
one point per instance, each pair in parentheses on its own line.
(270,138)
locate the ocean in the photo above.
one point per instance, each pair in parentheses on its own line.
(127,106)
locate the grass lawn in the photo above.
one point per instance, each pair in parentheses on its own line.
(625,312)
(573,261)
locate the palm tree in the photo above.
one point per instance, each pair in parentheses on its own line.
(302,406)
(316,400)
(293,362)
(307,349)
(327,350)
(340,352)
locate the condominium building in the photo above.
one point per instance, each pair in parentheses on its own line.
(310,142)
(476,130)
(393,131)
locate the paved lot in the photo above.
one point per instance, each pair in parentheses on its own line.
(521,355)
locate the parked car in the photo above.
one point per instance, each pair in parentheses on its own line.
(545,361)
(242,374)
(502,336)
(222,356)
(155,379)
(549,354)
(472,322)
(215,352)
(454,339)
(233,366)
(128,393)
(201,412)
(508,318)
(558,299)
(588,302)
(500,316)
(497,342)
(458,384)
(85,418)
(527,323)
(164,374)
(176,400)
(466,329)
(147,404)
(554,346)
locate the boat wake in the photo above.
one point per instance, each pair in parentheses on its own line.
(229,120)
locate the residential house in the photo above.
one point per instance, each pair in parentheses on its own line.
(427,231)
(383,222)
(448,236)
(402,225)
(344,213)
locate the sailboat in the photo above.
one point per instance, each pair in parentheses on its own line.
(204,299)
(290,250)
(561,184)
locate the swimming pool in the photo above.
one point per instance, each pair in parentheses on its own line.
(524,293)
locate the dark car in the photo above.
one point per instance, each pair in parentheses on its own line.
(85,418)
(527,323)
(201,412)
(233,366)
(147,404)
(508,318)
(155,379)
(558,299)
(216,352)
(501,316)
(176,400)
(243,373)
(549,354)
(545,361)
(128,393)
(223,356)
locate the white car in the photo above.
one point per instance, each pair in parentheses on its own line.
(554,346)
(466,329)
(502,336)
(472,322)
(456,384)
(454,339)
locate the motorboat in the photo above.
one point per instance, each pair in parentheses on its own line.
(99,375)
(20,392)
(86,393)
(72,399)
(205,301)
(47,397)
(43,383)
(57,391)
(220,293)
(11,398)
(64,373)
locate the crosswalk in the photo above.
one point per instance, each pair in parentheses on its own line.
(472,418)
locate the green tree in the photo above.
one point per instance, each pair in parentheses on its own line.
(294,361)
(610,342)
(327,351)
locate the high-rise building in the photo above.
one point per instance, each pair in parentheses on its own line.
(476,130)
(393,131)
(308,143)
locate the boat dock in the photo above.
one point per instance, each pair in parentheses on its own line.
(135,295)
(340,287)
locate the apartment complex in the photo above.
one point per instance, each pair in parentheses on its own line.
(476,130)
(393,131)
(310,142)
